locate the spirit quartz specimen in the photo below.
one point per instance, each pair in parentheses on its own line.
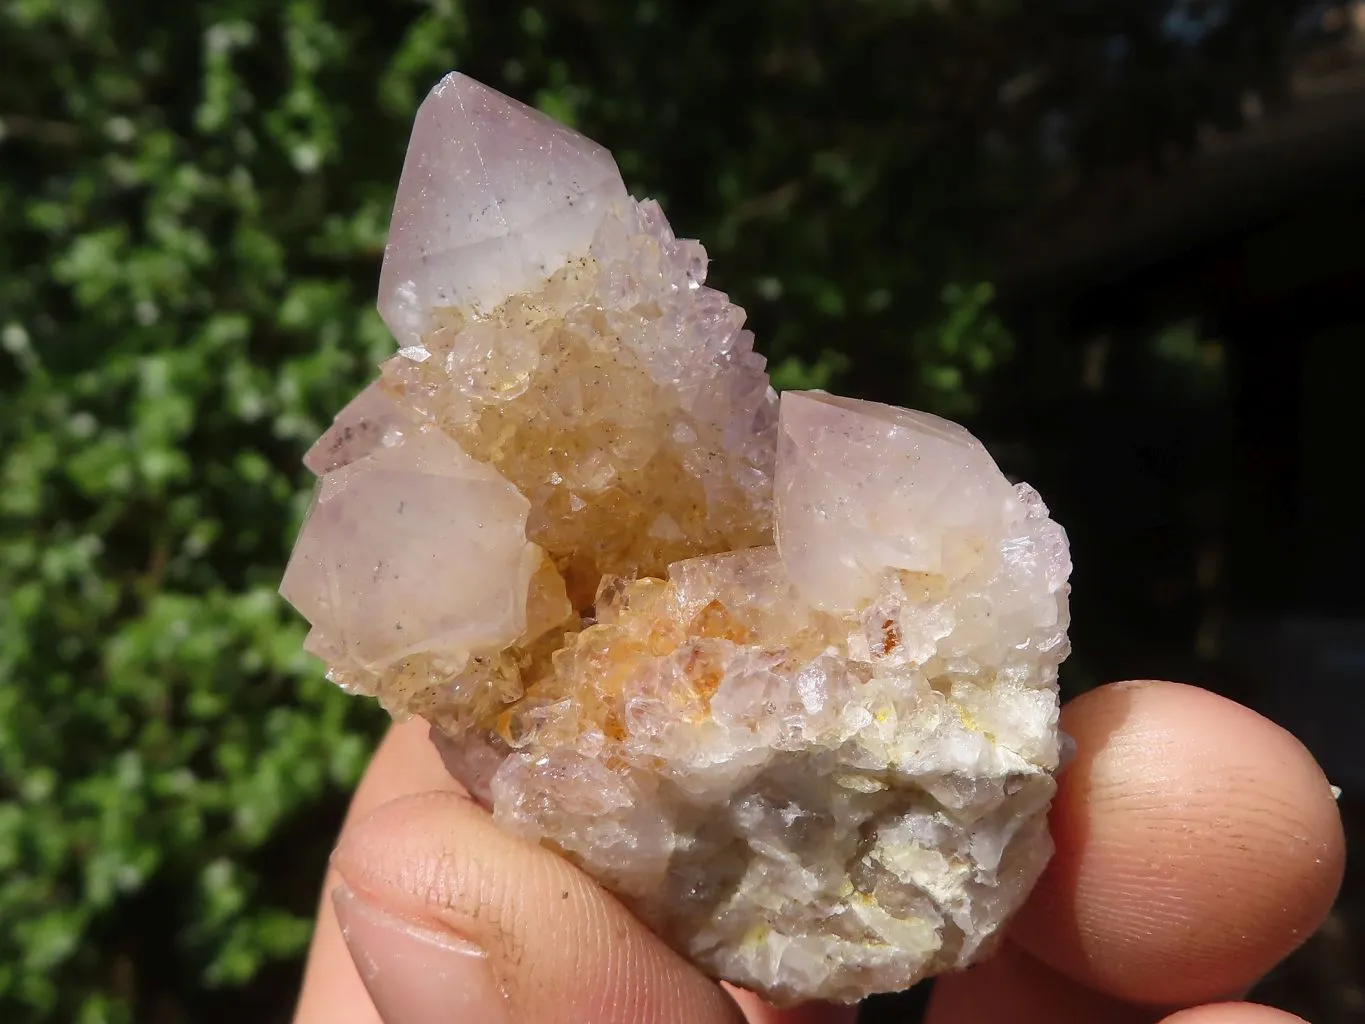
(780,674)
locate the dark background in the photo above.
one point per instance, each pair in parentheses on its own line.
(1122,241)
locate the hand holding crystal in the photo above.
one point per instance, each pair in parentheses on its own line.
(780,673)
(1197,845)
(727,685)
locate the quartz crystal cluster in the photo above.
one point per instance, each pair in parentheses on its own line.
(781,675)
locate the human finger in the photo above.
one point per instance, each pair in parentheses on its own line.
(444,912)
(1198,845)
(1232,1013)
(1013,986)
(332,992)
(407,763)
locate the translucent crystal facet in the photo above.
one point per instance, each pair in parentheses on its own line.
(781,675)
(622,397)
(384,561)
(932,502)
(370,421)
(493,197)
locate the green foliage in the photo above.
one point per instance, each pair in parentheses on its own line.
(1193,363)
(193,199)
(183,300)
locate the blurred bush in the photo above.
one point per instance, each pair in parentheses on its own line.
(193,200)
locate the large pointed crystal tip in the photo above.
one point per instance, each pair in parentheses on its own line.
(384,563)
(494,196)
(863,487)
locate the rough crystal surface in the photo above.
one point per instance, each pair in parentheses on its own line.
(781,675)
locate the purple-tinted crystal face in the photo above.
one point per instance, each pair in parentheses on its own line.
(370,421)
(862,488)
(383,564)
(494,196)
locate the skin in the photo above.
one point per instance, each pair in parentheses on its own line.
(1198,845)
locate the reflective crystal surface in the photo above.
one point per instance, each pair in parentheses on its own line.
(493,197)
(865,487)
(781,675)
(384,561)
(370,421)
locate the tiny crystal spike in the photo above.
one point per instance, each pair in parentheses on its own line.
(494,196)
(370,421)
(863,487)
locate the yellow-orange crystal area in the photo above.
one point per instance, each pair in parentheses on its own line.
(554,391)
(626,465)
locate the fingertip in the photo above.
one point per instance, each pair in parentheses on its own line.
(1013,986)
(415,974)
(1233,1013)
(1198,844)
(332,990)
(756,1011)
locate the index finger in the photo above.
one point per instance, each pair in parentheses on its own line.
(406,764)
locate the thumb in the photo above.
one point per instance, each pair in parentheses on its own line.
(450,919)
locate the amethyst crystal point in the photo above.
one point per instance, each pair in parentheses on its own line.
(494,197)
(782,677)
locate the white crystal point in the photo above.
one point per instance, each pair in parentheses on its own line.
(384,564)
(862,488)
(369,421)
(494,196)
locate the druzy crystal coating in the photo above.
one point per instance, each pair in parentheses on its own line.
(780,674)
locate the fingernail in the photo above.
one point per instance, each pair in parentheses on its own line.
(416,975)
